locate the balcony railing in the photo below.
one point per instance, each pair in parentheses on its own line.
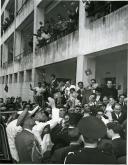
(21,55)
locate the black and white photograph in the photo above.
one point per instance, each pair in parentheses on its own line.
(63,81)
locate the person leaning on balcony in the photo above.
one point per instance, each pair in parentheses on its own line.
(38,93)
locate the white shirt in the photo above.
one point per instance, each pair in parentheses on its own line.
(12,131)
(116,137)
(39,91)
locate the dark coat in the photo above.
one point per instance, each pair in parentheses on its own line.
(60,154)
(119,147)
(90,156)
(81,94)
(121,118)
(110,92)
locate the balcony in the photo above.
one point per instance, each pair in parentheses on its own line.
(8,32)
(24,12)
(104,33)
(61,49)
(23,61)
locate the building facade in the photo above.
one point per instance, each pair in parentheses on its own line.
(98,44)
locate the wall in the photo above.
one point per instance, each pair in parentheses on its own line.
(103,33)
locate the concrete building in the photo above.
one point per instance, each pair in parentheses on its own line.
(99,45)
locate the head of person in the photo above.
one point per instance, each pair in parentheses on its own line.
(27,105)
(112,101)
(28,123)
(77,109)
(39,84)
(98,91)
(105,100)
(87,109)
(71,110)
(92,98)
(48,109)
(93,81)
(67,84)
(80,85)
(7,100)
(12,99)
(41,116)
(73,134)
(53,77)
(92,130)
(62,112)
(117,108)
(113,128)
(100,113)
(121,98)
(109,84)
(72,90)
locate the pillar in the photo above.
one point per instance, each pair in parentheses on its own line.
(85,63)
(38,16)
(83,28)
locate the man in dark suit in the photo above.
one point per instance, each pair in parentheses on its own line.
(74,137)
(118,144)
(117,115)
(53,85)
(80,91)
(91,129)
(27,146)
(110,91)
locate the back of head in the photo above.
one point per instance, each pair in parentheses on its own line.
(115,126)
(92,128)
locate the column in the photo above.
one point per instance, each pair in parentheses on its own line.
(83,29)
(38,17)
(85,64)
(18,46)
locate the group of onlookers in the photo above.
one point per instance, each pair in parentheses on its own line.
(65,124)
(53,29)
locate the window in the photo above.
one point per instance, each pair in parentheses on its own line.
(21,77)
(15,77)
(28,75)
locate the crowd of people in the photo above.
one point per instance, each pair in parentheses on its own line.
(54,29)
(66,124)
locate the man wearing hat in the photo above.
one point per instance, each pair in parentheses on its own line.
(74,138)
(92,130)
(27,146)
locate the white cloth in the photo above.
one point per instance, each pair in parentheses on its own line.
(106,121)
(12,131)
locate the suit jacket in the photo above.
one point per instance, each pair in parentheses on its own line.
(110,92)
(60,154)
(90,156)
(25,144)
(119,147)
(81,93)
(121,118)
